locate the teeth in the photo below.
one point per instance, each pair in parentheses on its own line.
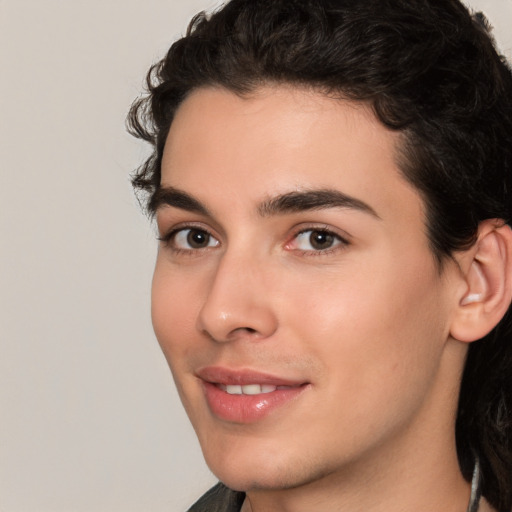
(250,389)
(234,390)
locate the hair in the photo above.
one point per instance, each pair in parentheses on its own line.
(429,70)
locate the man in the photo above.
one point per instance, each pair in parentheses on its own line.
(331,181)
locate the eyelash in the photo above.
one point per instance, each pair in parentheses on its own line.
(340,242)
(169,238)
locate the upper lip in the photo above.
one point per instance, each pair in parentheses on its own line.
(243,377)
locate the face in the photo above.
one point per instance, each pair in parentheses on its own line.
(295,295)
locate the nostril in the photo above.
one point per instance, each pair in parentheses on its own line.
(241,331)
(226,316)
(246,330)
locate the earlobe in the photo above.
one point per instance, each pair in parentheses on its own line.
(488,278)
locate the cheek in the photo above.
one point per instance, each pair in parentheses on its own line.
(375,329)
(175,301)
(174,305)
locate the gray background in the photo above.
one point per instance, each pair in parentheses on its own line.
(89,419)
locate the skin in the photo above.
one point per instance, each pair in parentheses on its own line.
(365,321)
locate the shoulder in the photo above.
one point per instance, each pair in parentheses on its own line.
(219,499)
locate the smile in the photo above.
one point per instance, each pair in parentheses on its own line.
(241,396)
(250,389)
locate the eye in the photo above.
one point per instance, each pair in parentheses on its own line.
(316,240)
(188,239)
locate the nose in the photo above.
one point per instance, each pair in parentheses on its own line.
(238,302)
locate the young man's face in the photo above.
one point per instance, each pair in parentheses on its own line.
(295,269)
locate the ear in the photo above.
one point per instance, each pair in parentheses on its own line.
(487,272)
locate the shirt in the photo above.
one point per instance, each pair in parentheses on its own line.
(219,499)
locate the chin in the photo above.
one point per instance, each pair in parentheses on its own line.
(243,471)
(261,469)
(285,478)
(259,480)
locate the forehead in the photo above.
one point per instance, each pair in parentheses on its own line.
(280,139)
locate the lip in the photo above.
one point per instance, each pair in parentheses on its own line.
(246,408)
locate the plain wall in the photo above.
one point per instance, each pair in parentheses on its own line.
(89,419)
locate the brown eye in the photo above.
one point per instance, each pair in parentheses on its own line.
(321,240)
(197,239)
(193,239)
(317,240)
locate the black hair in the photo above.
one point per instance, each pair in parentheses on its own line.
(429,70)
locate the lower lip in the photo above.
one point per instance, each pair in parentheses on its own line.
(247,408)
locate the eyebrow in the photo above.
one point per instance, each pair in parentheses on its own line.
(170,196)
(307,200)
(290,202)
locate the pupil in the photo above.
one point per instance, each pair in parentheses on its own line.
(197,239)
(321,239)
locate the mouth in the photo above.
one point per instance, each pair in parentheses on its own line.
(242,396)
(251,389)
